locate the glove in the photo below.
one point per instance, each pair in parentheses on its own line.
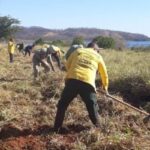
(104,90)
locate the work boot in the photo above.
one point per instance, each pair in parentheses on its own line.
(61,130)
(97,124)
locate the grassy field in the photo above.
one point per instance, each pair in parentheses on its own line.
(27,108)
(129,73)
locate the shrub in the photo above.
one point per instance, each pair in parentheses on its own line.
(104,42)
(78,40)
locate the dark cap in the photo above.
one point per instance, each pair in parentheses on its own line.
(93,45)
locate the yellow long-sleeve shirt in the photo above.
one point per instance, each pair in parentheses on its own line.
(83,64)
(11,47)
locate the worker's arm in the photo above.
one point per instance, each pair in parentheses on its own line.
(50,61)
(103,74)
(58,52)
(45,64)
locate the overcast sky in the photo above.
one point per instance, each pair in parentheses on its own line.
(119,15)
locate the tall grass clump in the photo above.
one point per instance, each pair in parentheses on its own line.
(129,74)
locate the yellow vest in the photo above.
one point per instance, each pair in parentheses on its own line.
(83,64)
(11,47)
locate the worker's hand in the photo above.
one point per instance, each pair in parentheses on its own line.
(47,69)
(105,91)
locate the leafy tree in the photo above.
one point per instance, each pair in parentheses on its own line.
(58,42)
(78,40)
(8,26)
(39,41)
(104,42)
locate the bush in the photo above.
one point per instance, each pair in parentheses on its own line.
(8,26)
(78,40)
(104,42)
(58,43)
(39,41)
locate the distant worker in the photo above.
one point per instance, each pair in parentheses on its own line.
(11,49)
(42,57)
(82,66)
(56,54)
(28,49)
(20,47)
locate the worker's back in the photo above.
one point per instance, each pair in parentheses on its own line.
(72,49)
(83,65)
(40,54)
(53,49)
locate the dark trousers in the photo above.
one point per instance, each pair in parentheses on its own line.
(72,89)
(11,57)
(27,52)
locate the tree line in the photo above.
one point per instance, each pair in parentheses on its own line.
(9,26)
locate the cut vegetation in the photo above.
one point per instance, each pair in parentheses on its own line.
(27,108)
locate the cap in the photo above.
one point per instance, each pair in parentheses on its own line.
(93,45)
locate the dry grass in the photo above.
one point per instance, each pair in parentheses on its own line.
(27,111)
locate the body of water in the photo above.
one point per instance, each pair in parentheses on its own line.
(138,44)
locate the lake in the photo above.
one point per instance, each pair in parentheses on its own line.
(138,44)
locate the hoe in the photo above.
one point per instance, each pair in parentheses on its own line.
(145,120)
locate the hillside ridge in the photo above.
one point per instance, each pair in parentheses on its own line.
(35,32)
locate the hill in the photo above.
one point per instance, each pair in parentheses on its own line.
(33,33)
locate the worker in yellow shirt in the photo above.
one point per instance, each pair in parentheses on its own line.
(11,49)
(56,53)
(82,66)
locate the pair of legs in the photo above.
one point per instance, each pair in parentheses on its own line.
(72,89)
(27,52)
(11,58)
(36,68)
